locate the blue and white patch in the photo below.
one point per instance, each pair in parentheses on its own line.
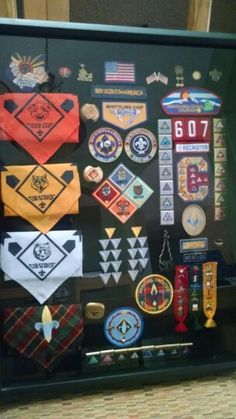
(140,145)
(164,126)
(105,145)
(165,141)
(191,101)
(123,327)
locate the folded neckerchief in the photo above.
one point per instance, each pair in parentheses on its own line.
(41,263)
(41,194)
(40,123)
(43,333)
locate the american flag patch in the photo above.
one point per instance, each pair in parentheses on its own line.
(119,72)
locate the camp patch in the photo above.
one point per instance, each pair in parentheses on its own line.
(124,115)
(105,145)
(123,327)
(154,294)
(140,145)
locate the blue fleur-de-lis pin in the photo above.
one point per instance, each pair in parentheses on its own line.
(47,324)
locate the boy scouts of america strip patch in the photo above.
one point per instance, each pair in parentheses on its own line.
(40,123)
(26,330)
(41,263)
(209,272)
(181,297)
(41,194)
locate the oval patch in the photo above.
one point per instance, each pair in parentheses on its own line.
(193,220)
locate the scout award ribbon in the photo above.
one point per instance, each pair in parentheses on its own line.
(209,271)
(40,123)
(41,263)
(44,333)
(195,295)
(181,297)
(41,194)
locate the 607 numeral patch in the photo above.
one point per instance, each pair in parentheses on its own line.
(193,129)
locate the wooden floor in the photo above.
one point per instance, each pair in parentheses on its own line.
(211,397)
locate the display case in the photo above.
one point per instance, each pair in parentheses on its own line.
(118,198)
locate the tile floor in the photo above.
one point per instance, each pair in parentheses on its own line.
(211,397)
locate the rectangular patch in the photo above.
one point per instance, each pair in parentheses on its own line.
(194,257)
(117,71)
(167,218)
(165,157)
(118,92)
(166,172)
(192,245)
(166,202)
(192,148)
(164,126)
(165,142)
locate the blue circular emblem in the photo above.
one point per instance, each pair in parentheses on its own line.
(140,145)
(105,145)
(123,326)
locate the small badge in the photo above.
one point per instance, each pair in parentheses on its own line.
(166,172)
(191,101)
(154,294)
(121,177)
(220,213)
(93,174)
(122,209)
(140,145)
(119,72)
(124,115)
(166,202)
(27,72)
(94,311)
(106,193)
(83,74)
(215,75)
(196,75)
(193,220)
(220,155)
(164,126)
(218,125)
(219,140)
(105,145)
(166,187)
(179,74)
(192,148)
(167,218)
(89,111)
(138,192)
(64,72)
(123,326)
(165,157)
(165,141)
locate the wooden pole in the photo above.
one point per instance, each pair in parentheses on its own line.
(199,15)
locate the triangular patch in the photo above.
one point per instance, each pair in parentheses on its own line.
(165,157)
(105,277)
(116,264)
(115,242)
(142,240)
(167,203)
(134,356)
(143,262)
(93,360)
(136,230)
(143,251)
(104,254)
(104,266)
(132,241)
(104,243)
(110,232)
(116,253)
(116,276)
(133,263)
(133,274)
(132,252)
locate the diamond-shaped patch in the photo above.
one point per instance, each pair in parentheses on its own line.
(106,193)
(138,192)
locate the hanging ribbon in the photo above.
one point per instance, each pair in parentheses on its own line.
(44,333)
(181,297)
(209,271)
(41,194)
(41,263)
(40,123)
(195,295)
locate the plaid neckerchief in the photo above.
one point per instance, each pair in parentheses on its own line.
(40,123)
(21,334)
(41,194)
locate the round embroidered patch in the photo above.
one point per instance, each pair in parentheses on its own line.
(123,326)
(193,220)
(140,145)
(89,111)
(105,144)
(154,294)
